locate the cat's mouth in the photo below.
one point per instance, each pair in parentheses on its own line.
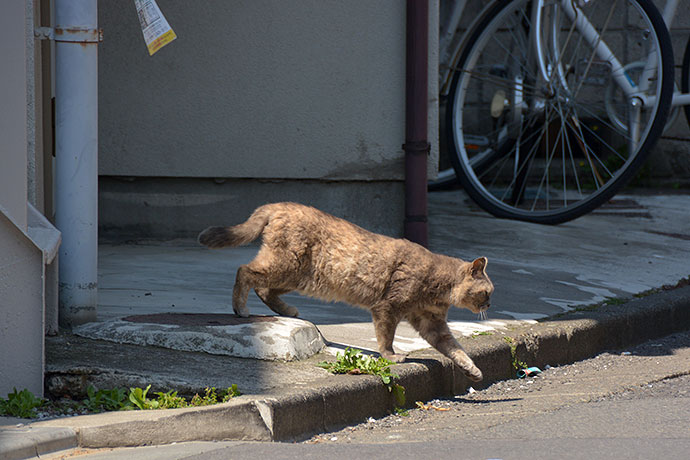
(480,308)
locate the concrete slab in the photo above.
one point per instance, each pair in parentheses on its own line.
(18,441)
(258,337)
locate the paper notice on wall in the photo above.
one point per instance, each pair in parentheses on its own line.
(156,30)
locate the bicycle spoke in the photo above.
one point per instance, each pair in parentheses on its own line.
(501,82)
(564,126)
(594,49)
(605,123)
(508,153)
(545,176)
(545,137)
(521,171)
(589,153)
(606,144)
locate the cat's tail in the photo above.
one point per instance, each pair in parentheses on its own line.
(238,235)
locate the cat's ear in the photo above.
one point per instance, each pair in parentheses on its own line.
(478,266)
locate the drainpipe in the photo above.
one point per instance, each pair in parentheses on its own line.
(76,157)
(416,107)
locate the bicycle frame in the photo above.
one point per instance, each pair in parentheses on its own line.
(626,84)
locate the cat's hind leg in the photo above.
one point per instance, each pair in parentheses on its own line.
(385,324)
(434,329)
(253,275)
(263,273)
(240,292)
(271,298)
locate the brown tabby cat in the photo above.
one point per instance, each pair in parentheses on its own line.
(316,254)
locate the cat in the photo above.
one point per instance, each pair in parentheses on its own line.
(319,255)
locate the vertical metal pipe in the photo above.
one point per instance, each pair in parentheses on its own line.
(416,109)
(76,162)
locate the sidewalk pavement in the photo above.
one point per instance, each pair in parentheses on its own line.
(546,278)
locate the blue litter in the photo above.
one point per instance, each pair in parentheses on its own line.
(529,372)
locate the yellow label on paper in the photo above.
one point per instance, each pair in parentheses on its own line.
(157,32)
(161,41)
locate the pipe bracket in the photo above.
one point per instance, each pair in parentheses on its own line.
(71,34)
(417,218)
(417,148)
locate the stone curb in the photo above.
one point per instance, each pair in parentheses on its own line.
(28,441)
(351,399)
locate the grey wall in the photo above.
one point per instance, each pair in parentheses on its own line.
(21,311)
(21,263)
(13,131)
(254,90)
(669,165)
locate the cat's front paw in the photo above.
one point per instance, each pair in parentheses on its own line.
(473,373)
(396,358)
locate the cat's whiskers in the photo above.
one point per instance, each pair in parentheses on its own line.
(483,316)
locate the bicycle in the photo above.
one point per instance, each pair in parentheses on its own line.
(553,105)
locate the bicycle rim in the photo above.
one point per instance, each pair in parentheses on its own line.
(541,145)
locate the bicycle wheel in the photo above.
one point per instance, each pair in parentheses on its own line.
(540,138)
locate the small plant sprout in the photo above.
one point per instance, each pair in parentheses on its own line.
(351,361)
(23,403)
(104,400)
(478,333)
(517,364)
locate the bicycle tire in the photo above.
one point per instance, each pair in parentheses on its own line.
(542,188)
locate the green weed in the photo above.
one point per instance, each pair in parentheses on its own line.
(351,361)
(104,400)
(401,412)
(22,404)
(517,364)
(478,333)
(614,301)
(170,400)
(137,399)
(212,396)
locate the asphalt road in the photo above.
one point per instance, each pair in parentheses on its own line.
(632,403)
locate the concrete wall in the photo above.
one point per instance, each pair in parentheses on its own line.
(21,311)
(21,263)
(180,208)
(251,91)
(13,132)
(669,165)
